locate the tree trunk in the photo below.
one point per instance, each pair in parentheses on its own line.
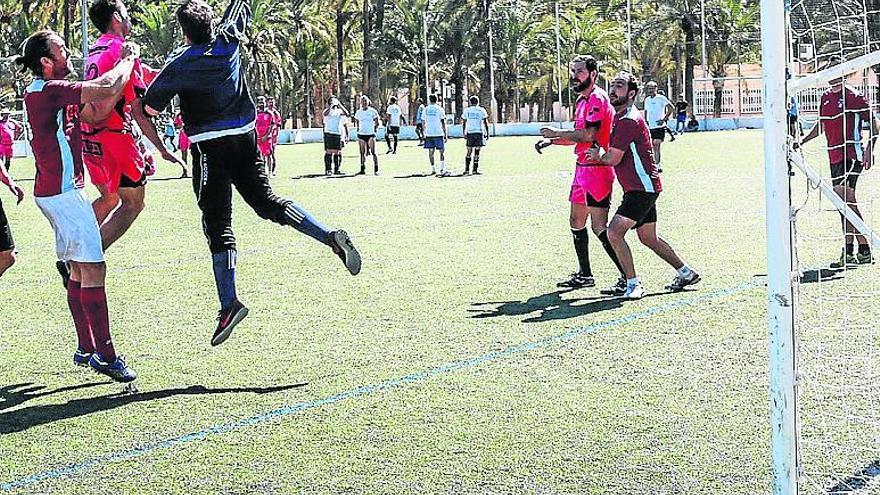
(676,81)
(687,25)
(340,66)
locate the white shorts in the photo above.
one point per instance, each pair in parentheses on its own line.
(77,237)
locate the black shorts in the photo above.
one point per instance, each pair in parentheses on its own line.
(475,140)
(639,206)
(366,137)
(6,241)
(594,203)
(847,172)
(393,130)
(658,133)
(332,142)
(124,181)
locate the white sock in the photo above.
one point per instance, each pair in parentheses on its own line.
(684,272)
(632,282)
(443,165)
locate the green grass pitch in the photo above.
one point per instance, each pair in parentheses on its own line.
(450,365)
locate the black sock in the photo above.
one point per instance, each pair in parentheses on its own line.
(864,249)
(388,140)
(603,238)
(476,160)
(337,162)
(467,163)
(328,162)
(581,248)
(850,249)
(395,143)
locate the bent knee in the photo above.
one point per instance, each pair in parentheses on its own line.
(7,259)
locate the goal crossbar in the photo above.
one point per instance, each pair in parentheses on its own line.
(835,200)
(837,72)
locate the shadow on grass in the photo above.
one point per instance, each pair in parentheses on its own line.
(166,179)
(29,417)
(15,395)
(821,275)
(857,481)
(551,306)
(413,176)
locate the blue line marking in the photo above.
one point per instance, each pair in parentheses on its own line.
(362,391)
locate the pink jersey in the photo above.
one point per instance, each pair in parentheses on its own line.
(842,119)
(103,57)
(8,130)
(594,110)
(58,154)
(264,125)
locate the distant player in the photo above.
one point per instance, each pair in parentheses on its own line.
(475,126)
(207,74)
(7,244)
(631,154)
(182,142)
(842,111)
(420,121)
(276,132)
(367,121)
(590,195)
(335,130)
(435,134)
(658,109)
(681,114)
(264,123)
(10,130)
(394,115)
(169,133)
(110,149)
(58,187)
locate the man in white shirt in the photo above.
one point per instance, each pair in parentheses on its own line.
(435,134)
(394,115)
(475,127)
(658,109)
(367,121)
(335,122)
(420,121)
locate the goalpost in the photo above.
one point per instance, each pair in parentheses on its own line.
(824,324)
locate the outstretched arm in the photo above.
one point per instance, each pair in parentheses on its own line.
(235,20)
(145,122)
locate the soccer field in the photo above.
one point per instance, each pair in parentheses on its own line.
(451,364)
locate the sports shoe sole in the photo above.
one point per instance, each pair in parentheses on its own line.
(682,287)
(113,377)
(227,332)
(352,256)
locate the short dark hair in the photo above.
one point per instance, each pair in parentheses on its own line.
(632,84)
(588,60)
(420,100)
(432,98)
(196,19)
(475,100)
(393,100)
(101,13)
(32,50)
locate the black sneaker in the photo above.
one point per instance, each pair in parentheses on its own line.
(618,289)
(343,247)
(226,322)
(679,283)
(577,281)
(64,271)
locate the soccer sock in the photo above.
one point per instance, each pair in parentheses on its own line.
(94,304)
(337,162)
(224,276)
(304,222)
(632,282)
(685,271)
(328,162)
(442,165)
(476,159)
(395,143)
(864,249)
(850,248)
(581,248)
(603,238)
(80,321)
(467,163)
(388,140)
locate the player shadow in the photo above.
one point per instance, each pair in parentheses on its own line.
(857,481)
(552,306)
(167,179)
(308,176)
(413,176)
(29,417)
(15,395)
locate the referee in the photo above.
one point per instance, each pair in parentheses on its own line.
(219,117)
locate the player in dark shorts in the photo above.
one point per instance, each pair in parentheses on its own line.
(7,244)
(420,121)
(841,109)
(335,131)
(681,114)
(208,76)
(475,126)
(632,157)
(394,117)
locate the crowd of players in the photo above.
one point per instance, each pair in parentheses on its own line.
(89,125)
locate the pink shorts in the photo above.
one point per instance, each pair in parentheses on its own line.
(113,158)
(5,151)
(265,147)
(592,186)
(183,141)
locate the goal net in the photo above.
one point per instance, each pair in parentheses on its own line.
(824,285)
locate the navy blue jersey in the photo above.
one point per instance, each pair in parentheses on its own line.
(209,79)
